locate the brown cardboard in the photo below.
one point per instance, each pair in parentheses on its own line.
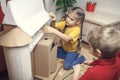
(45,59)
(14,37)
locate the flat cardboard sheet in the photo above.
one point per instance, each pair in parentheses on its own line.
(29,15)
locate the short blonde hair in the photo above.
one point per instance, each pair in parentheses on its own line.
(106,39)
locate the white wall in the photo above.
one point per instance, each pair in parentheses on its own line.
(109,6)
(51,7)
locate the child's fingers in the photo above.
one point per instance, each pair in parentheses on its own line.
(53,16)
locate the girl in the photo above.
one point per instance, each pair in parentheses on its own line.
(69,32)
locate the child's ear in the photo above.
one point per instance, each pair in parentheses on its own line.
(98,53)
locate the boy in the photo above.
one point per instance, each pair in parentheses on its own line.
(105,44)
(69,32)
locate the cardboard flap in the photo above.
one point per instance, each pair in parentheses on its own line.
(15,37)
(29,15)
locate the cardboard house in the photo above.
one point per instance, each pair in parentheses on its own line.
(26,18)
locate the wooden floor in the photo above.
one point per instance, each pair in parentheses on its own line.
(62,74)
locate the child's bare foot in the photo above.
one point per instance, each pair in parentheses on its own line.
(76,69)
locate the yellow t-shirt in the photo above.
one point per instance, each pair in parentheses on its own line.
(74,32)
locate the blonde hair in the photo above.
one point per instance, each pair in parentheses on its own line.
(106,39)
(79,13)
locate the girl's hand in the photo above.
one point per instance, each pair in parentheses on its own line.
(53,16)
(48,29)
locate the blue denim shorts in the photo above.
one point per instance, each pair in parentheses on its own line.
(70,58)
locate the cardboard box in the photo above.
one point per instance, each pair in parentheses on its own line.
(45,60)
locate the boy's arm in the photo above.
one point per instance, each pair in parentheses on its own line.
(48,29)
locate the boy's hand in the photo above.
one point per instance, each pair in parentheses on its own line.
(53,16)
